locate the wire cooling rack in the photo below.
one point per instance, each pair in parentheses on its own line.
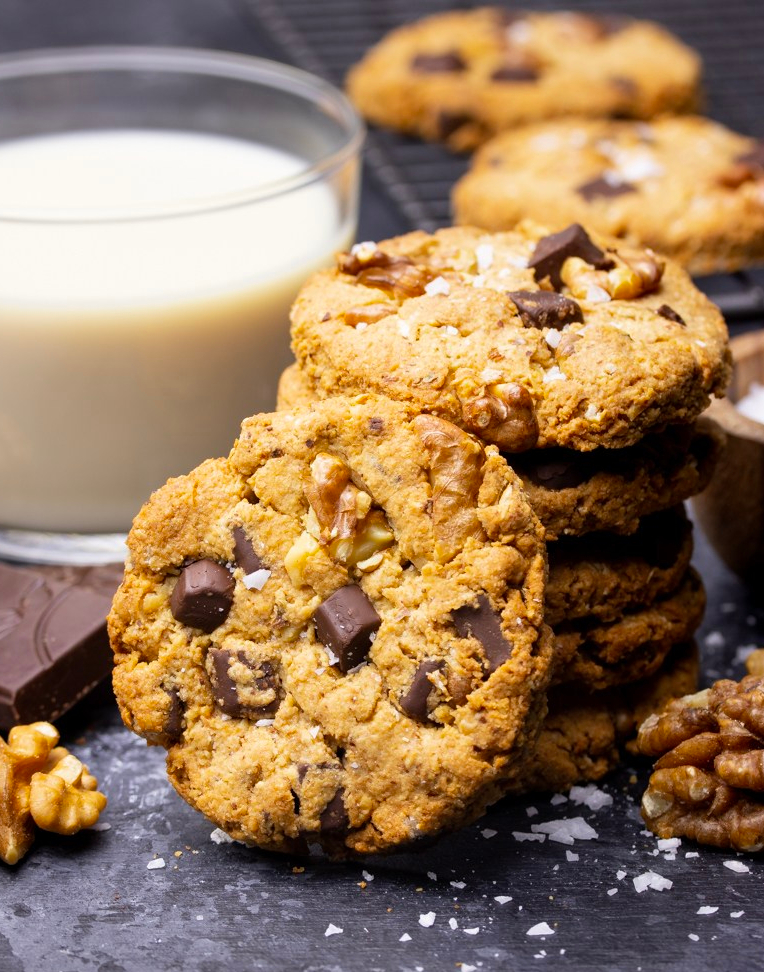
(327,36)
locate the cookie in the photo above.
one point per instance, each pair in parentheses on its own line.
(583,738)
(603,575)
(600,656)
(337,632)
(687,186)
(526,338)
(462,76)
(575,493)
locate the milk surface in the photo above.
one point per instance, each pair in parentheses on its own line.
(132,346)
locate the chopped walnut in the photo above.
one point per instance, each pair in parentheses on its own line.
(368,313)
(43,784)
(456,462)
(708,782)
(398,276)
(498,412)
(634,273)
(341,520)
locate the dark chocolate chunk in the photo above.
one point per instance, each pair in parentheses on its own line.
(482,623)
(53,642)
(174,723)
(203,595)
(448,62)
(244,553)
(450,122)
(334,817)
(227,692)
(515,73)
(376,424)
(602,188)
(414,702)
(552,251)
(670,314)
(345,623)
(543,308)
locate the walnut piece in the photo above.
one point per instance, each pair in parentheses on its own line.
(456,462)
(708,782)
(497,411)
(42,784)
(396,275)
(634,272)
(341,521)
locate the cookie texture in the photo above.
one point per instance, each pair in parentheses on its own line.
(462,76)
(584,735)
(687,186)
(604,575)
(600,656)
(337,632)
(527,338)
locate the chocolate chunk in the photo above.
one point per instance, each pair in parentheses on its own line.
(450,122)
(53,643)
(414,702)
(334,817)
(628,87)
(449,62)
(552,251)
(345,623)
(174,723)
(227,691)
(482,623)
(553,468)
(203,595)
(244,553)
(542,308)
(376,424)
(670,314)
(602,188)
(515,73)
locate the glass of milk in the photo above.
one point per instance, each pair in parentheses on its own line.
(159,210)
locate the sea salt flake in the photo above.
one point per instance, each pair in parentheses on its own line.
(405,937)
(737,866)
(468,968)
(437,286)
(314,731)
(553,338)
(692,854)
(156,864)
(566,831)
(571,855)
(652,880)
(531,811)
(457,884)
(736,914)
(471,931)
(669,843)
(612,891)
(597,295)
(364,250)
(265,722)
(333,659)
(620,875)
(219,836)
(554,374)
(591,797)
(484,257)
(361,326)
(451,330)
(403,328)
(366,876)
(503,898)
(707,910)
(542,928)
(714,639)
(427,919)
(101,826)
(520,836)
(432,875)
(488,833)
(558,798)
(332,930)
(257,579)
(593,414)
(453,923)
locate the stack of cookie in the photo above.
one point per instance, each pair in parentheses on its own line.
(587,362)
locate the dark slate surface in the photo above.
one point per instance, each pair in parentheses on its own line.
(90,902)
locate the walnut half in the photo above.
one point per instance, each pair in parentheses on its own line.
(708,782)
(42,784)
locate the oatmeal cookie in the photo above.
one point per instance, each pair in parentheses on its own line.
(462,76)
(337,632)
(687,186)
(526,338)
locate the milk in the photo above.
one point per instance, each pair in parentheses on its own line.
(132,344)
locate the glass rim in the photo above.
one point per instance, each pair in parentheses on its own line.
(200,62)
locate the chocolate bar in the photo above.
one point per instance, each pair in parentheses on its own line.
(53,642)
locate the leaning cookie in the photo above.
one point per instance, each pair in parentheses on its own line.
(689,187)
(337,632)
(526,338)
(462,76)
